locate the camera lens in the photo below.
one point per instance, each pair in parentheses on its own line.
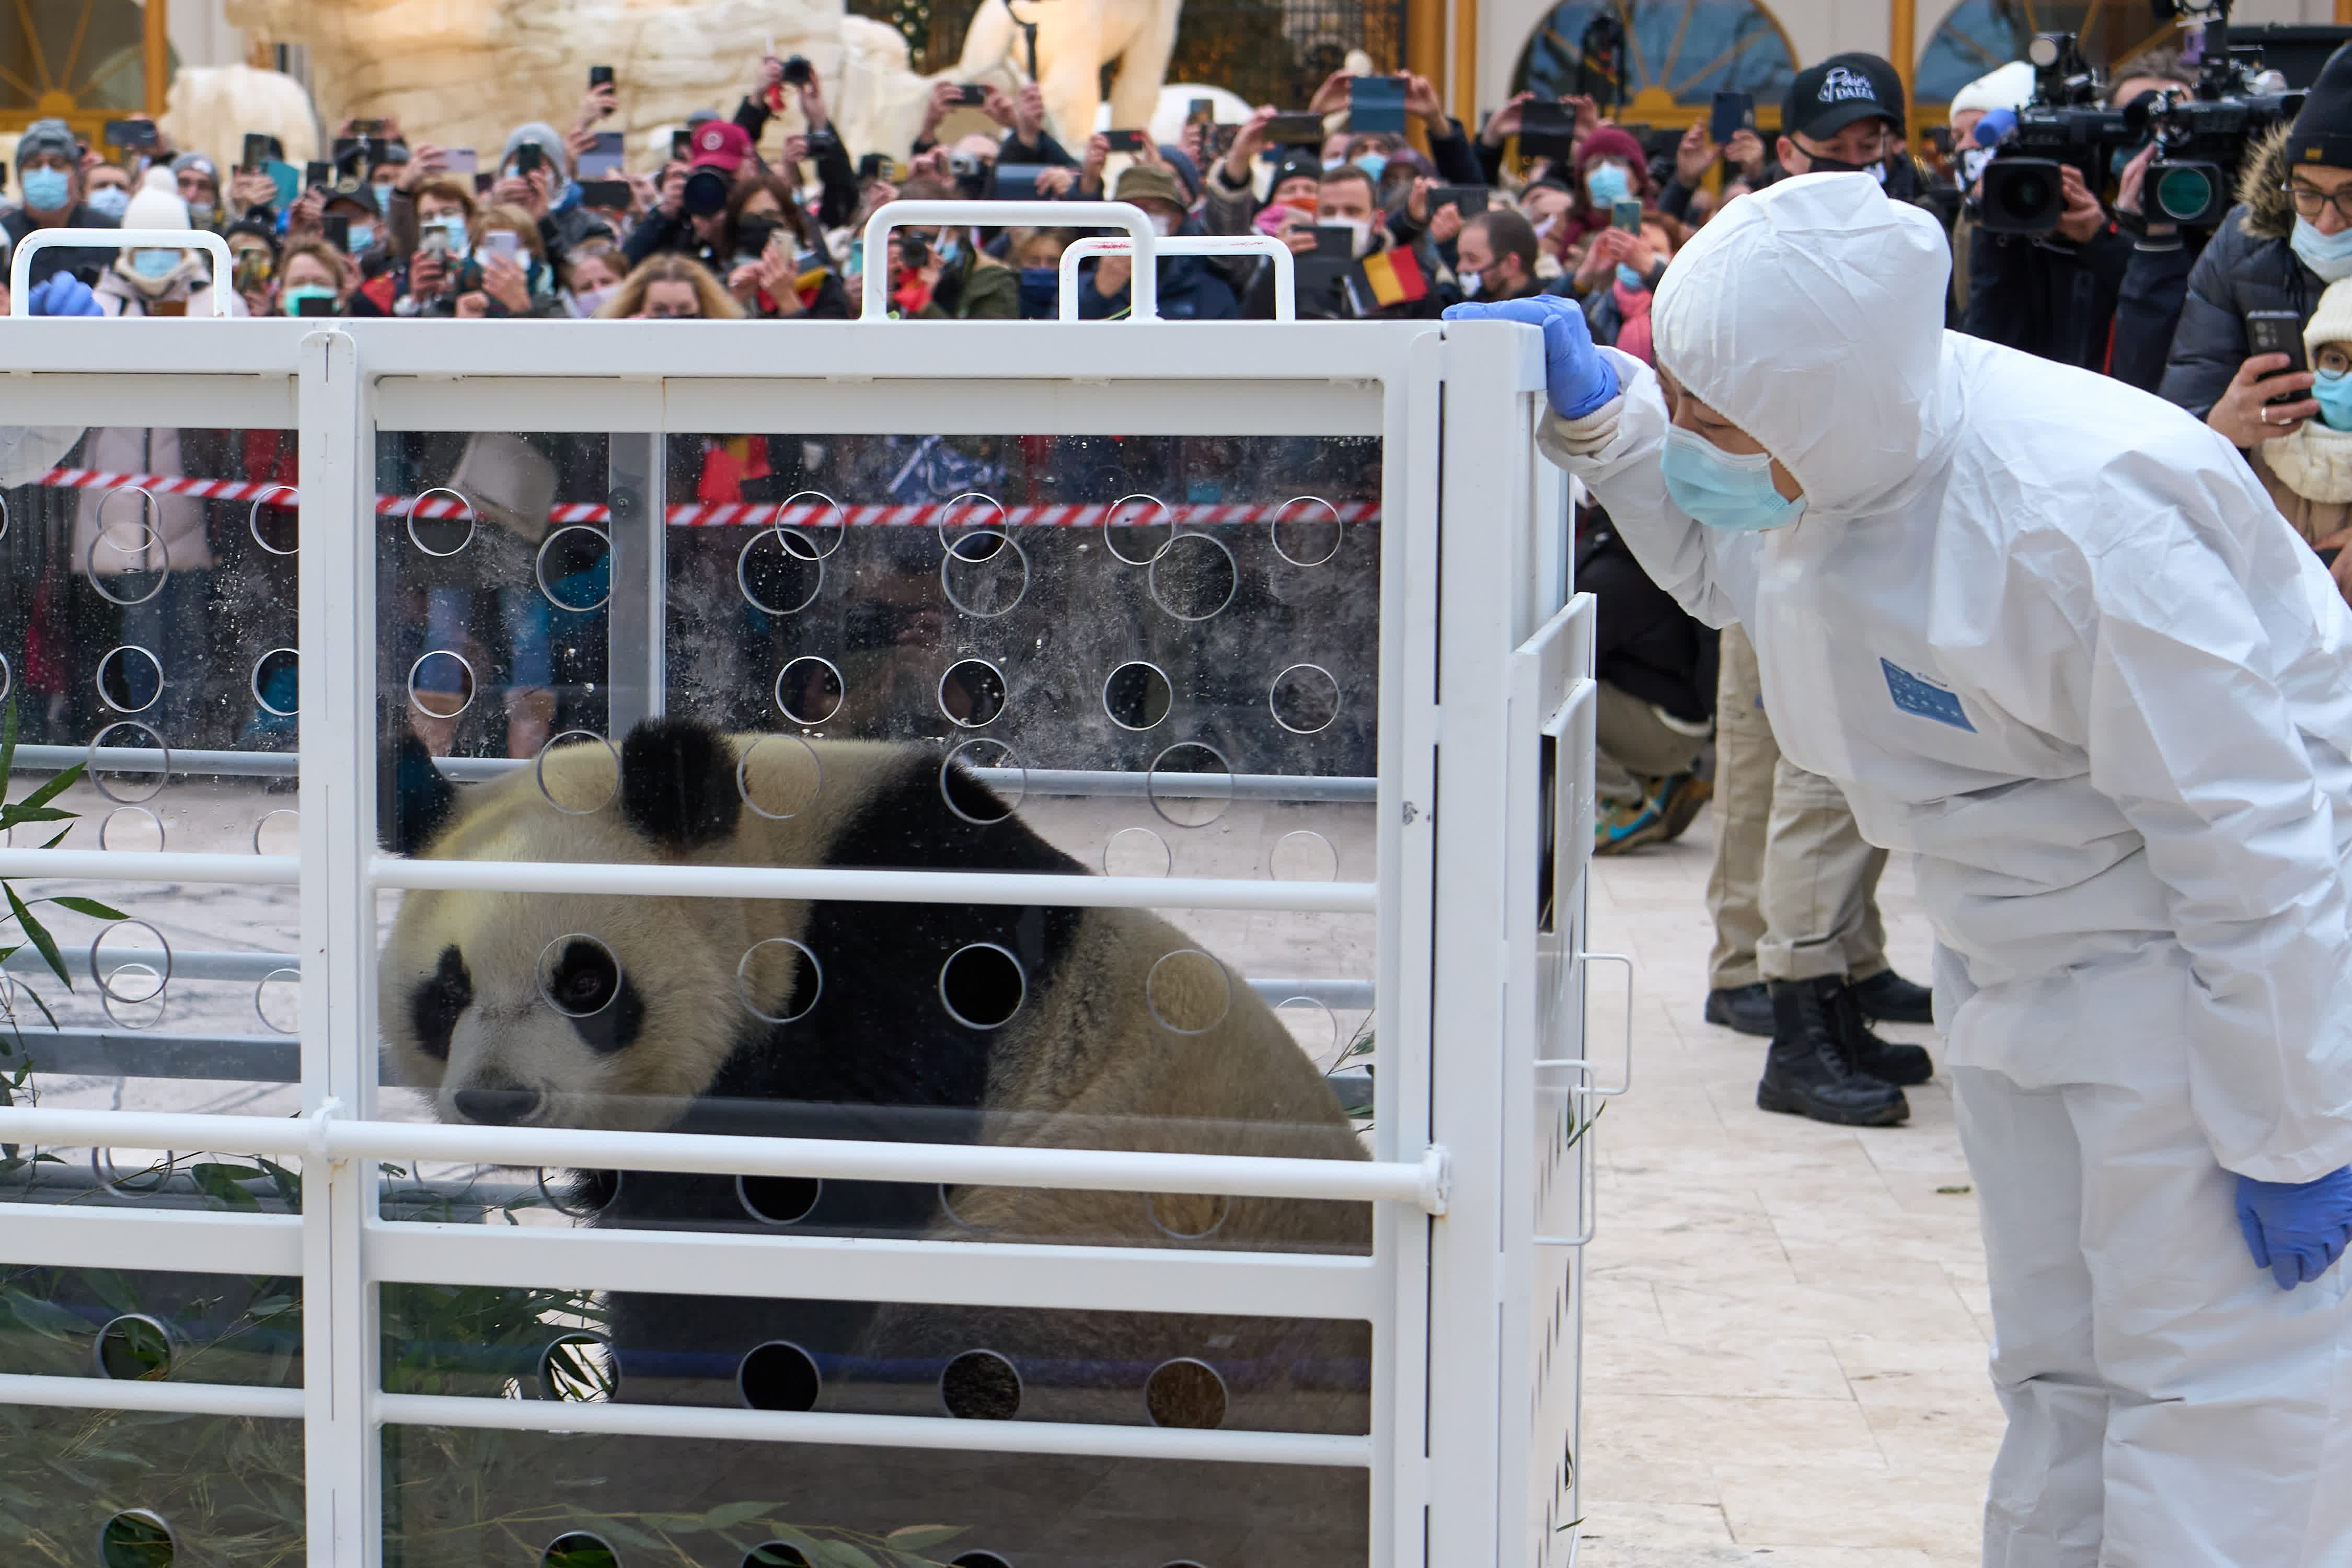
(706,192)
(2024,195)
(2183,193)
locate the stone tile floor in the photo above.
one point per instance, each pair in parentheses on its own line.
(1785,1324)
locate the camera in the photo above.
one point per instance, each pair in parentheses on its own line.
(706,193)
(798,72)
(2022,189)
(2202,139)
(970,171)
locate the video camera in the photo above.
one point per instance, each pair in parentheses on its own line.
(2202,139)
(2022,190)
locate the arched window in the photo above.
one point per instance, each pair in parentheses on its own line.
(79,59)
(1680,54)
(1982,34)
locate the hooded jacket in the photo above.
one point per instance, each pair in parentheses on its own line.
(2048,635)
(2249,265)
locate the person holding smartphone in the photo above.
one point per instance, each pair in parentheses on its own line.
(2308,470)
(514,278)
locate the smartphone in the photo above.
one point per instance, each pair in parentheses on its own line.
(1546,129)
(1376,103)
(253,269)
(914,251)
(798,72)
(1124,140)
(603,160)
(256,152)
(599,76)
(1334,242)
(2328,556)
(483,181)
(1626,216)
(607,195)
(971,95)
(501,242)
(130,133)
(872,166)
(1468,200)
(462,159)
(681,146)
(1017,181)
(367,130)
(317,176)
(1733,112)
(314,306)
(1201,111)
(526,158)
(2278,332)
(1220,138)
(1295,130)
(338,231)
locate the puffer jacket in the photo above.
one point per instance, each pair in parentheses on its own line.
(2247,266)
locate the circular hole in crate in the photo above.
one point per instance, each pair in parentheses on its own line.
(276,683)
(775,577)
(578,771)
(579,1549)
(971,693)
(985,573)
(136,1538)
(130,679)
(980,1385)
(983,801)
(779,1375)
(981,1560)
(279,832)
(574,568)
(580,1195)
(283,535)
(441,683)
(808,690)
(983,985)
(580,1369)
(1139,529)
(1310,1023)
(119,782)
(779,777)
(128,973)
(128,562)
(1136,852)
(775,1554)
(278,1001)
(1196,577)
(783,969)
(1191,783)
(1304,698)
(1189,992)
(133,830)
(137,1182)
(1306,531)
(1303,856)
(779,1200)
(974,517)
(440,522)
(1185,1392)
(1137,695)
(1186,1216)
(133,1348)
(812,533)
(579,976)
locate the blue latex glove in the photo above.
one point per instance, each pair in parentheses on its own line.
(2296,1230)
(1576,376)
(63,295)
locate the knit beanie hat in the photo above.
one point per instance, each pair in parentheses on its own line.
(2010,86)
(45,136)
(2332,322)
(550,144)
(2322,131)
(157,204)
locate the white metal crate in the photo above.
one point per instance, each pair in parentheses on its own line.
(1471,886)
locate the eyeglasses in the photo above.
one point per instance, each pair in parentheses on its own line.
(2307,202)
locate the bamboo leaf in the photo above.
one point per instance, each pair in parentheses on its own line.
(9,744)
(41,937)
(60,838)
(727,1516)
(89,907)
(921,1537)
(49,791)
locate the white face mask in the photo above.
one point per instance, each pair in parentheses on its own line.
(1469,282)
(1162,225)
(588,301)
(1361,228)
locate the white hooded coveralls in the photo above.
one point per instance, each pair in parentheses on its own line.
(2048,635)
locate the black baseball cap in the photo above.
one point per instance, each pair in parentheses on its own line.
(1825,98)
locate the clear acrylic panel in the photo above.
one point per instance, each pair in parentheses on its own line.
(125,1489)
(148,649)
(149,1325)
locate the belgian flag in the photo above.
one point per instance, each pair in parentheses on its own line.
(1386,278)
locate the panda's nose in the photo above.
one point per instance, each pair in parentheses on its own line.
(497,1107)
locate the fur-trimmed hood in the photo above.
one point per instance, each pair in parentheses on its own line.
(2262,188)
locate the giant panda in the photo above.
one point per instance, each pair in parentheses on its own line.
(1064,1026)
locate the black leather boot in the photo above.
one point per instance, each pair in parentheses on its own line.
(1747,1008)
(1883,1059)
(1891,999)
(1806,1072)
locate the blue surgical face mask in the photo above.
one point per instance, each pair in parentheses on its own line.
(2333,388)
(154,264)
(949,250)
(2329,255)
(1372,163)
(45,189)
(383,197)
(1720,490)
(1335,163)
(362,236)
(1628,277)
(1608,184)
(1041,292)
(109,203)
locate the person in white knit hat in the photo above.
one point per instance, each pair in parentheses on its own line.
(156,281)
(2309,473)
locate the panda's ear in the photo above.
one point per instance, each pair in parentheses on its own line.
(414,802)
(677,783)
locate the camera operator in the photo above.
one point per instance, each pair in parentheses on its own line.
(2050,294)
(690,216)
(836,177)
(2289,237)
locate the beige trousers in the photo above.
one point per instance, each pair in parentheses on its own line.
(1794,891)
(1637,746)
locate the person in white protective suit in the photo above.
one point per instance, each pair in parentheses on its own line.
(2048,635)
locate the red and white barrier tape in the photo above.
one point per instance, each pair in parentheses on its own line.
(959,511)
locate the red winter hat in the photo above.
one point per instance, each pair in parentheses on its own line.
(721,144)
(1608,141)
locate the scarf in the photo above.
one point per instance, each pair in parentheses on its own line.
(2315,462)
(1633,320)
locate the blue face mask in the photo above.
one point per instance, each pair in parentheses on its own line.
(1372,163)
(110,203)
(2333,388)
(1041,292)
(2329,255)
(1628,277)
(1608,184)
(1720,490)
(45,189)
(154,264)
(949,250)
(362,236)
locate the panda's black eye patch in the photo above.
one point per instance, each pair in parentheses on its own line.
(582,979)
(435,1006)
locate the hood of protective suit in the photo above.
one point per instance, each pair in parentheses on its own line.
(1810,314)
